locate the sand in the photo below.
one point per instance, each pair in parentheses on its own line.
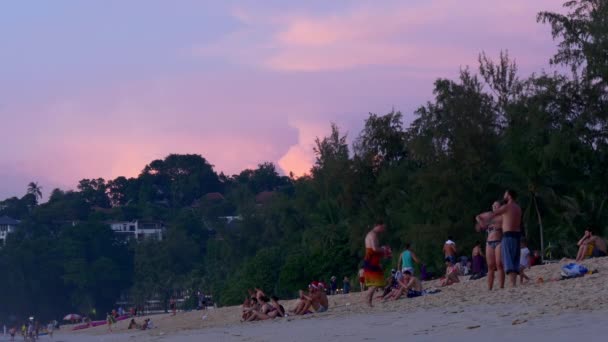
(562,310)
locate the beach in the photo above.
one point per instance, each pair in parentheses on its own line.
(558,309)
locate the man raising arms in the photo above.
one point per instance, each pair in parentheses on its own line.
(511,234)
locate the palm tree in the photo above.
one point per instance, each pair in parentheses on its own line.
(34,189)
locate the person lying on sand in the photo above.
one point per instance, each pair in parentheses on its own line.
(593,243)
(451,273)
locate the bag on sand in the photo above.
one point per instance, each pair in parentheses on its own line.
(573,270)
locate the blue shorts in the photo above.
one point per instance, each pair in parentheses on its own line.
(511,251)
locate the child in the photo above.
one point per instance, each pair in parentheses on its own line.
(524,260)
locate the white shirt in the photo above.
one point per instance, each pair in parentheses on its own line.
(523,259)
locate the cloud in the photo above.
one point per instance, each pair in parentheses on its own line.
(432,34)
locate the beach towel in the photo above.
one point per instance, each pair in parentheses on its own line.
(573,270)
(372,270)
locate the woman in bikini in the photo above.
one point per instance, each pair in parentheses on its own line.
(493,257)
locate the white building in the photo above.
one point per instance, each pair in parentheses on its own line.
(7,226)
(139,230)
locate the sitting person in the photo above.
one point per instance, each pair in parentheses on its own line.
(133,324)
(590,243)
(478,259)
(316,299)
(265,311)
(274,301)
(451,273)
(393,283)
(408,285)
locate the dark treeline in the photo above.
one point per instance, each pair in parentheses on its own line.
(545,135)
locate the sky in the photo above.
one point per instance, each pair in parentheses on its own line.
(101,88)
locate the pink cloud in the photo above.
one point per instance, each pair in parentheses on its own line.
(430,34)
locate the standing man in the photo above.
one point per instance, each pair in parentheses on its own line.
(373,273)
(511,234)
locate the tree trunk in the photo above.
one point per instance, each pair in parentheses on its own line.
(540,225)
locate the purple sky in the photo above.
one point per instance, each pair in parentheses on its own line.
(99,89)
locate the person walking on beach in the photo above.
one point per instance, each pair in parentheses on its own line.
(173,306)
(493,226)
(407,259)
(361,280)
(511,234)
(109,320)
(449,249)
(373,273)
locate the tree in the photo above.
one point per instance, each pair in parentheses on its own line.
(35,189)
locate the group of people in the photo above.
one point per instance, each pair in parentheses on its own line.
(147,324)
(32,329)
(259,307)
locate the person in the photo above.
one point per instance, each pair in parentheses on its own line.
(590,245)
(511,234)
(449,249)
(13,331)
(173,305)
(274,301)
(133,324)
(333,285)
(407,259)
(493,226)
(410,285)
(477,256)
(361,280)
(451,273)
(524,261)
(393,284)
(346,285)
(536,259)
(373,273)
(315,299)
(50,328)
(109,320)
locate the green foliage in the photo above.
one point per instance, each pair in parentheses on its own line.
(545,136)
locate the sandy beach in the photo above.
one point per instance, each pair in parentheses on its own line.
(561,310)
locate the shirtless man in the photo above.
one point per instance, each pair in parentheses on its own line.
(599,245)
(373,273)
(511,234)
(449,249)
(493,226)
(315,299)
(408,285)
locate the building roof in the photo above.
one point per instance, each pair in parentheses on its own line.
(8,221)
(213,196)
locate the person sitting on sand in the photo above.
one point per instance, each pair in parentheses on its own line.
(266,311)
(478,259)
(274,301)
(451,273)
(316,299)
(593,243)
(133,324)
